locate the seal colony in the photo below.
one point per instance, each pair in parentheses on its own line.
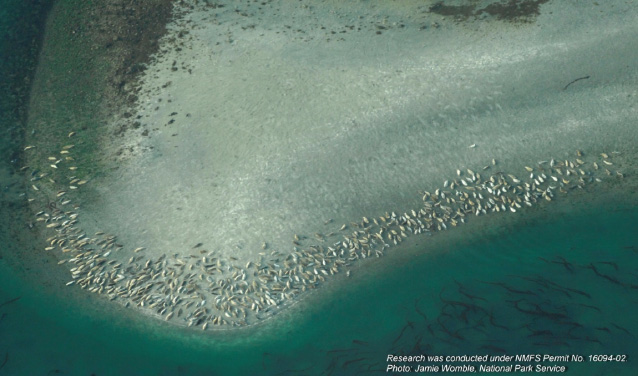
(244,134)
(214,291)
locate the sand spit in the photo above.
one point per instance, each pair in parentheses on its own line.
(249,135)
(266,162)
(217,290)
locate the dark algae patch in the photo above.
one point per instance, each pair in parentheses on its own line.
(514,11)
(129,31)
(92,53)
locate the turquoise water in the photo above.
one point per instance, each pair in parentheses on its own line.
(459,299)
(560,285)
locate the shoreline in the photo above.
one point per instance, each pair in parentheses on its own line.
(250,287)
(46,125)
(64,217)
(213,169)
(295,321)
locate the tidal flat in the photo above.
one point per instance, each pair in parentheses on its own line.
(307,187)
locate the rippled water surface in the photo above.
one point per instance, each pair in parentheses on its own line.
(530,290)
(557,279)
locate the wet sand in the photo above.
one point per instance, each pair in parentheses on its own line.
(243,137)
(269,136)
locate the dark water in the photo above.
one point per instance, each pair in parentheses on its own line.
(20,35)
(565,285)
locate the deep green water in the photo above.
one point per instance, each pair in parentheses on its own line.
(566,285)
(468,290)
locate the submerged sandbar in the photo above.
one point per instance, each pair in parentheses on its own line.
(260,163)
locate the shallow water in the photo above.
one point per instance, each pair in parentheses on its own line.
(559,282)
(277,134)
(400,311)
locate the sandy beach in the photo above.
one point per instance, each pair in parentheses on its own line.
(269,136)
(248,142)
(276,135)
(268,188)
